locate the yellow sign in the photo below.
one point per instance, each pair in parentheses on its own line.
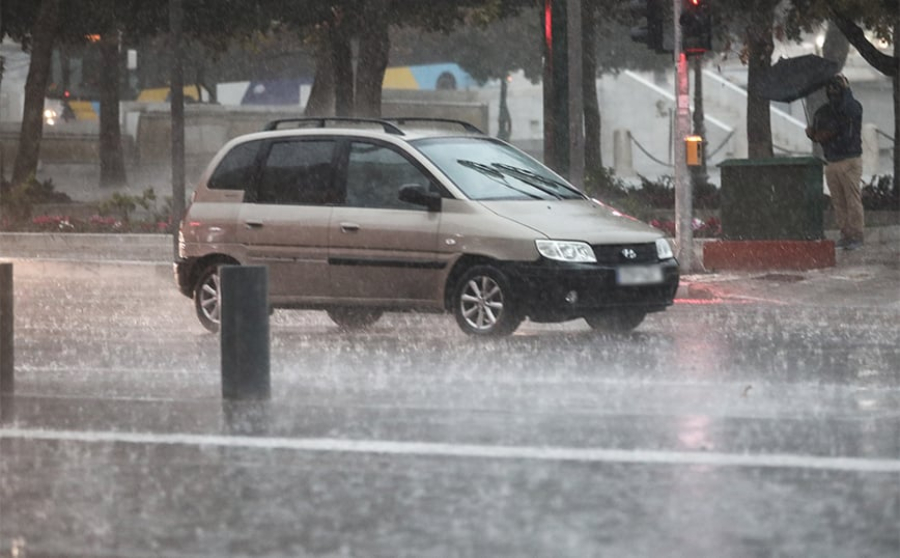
(693,150)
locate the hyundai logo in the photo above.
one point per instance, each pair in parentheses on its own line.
(629,254)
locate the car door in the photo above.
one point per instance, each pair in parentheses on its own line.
(383,249)
(286,226)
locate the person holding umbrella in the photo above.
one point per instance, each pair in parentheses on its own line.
(837,126)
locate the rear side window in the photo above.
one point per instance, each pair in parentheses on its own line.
(298,173)
(233,172)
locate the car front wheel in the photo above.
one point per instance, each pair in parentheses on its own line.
(483,303)
(619,321)
(206,298)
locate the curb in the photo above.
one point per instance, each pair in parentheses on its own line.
(43,267)
(762,255)
(93,246)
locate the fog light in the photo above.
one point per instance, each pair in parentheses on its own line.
(572,297)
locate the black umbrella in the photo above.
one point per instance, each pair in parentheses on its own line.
(790,79)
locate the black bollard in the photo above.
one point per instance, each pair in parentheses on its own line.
(7,383)
(244,331)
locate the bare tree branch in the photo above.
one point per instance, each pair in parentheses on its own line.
(885,64)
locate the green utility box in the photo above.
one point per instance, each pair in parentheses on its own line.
(780,198)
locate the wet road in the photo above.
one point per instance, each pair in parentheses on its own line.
(716,429)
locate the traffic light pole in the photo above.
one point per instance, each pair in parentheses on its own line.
(684,210)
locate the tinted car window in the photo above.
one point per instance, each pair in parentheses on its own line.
(298,173)
(233,172)
(375,174)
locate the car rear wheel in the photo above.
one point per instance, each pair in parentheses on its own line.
(483,303)
(619,321)
(206,298)
(353,318)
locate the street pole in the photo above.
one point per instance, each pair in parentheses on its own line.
(176,104)
(684,236)
(2,68)
(576,94)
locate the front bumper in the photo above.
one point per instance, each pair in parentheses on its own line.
(545,289)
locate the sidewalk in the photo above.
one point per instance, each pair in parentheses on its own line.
(868,276)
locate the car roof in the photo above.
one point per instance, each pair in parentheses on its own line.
(403,129)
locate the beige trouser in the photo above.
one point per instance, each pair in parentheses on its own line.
(843,179)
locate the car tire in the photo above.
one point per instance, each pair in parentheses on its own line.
(206,298)
(483,303)
(617,321)
(353,318)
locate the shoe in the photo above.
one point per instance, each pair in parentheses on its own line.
(842,243)
(853,245)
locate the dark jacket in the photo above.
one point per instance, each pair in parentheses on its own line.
(837,126)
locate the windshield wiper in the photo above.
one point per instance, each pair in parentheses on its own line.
(496,176)
(530,177)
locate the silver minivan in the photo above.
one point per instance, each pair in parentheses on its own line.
(359,217)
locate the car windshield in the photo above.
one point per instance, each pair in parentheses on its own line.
(491,170)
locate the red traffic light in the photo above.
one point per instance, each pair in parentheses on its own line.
(696,27)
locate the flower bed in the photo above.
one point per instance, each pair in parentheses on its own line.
(94,224)
(710,228)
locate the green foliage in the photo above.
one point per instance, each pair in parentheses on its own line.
(17,201)
(879,16)
(122,205)
(604,185)
(879,194)
(116,214)
(647,199)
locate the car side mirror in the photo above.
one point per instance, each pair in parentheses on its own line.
(419,195)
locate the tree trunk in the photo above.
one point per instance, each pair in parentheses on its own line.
(593,158)
(885,64)
(202,83)
(374,47)
(112,160)
(836,46)
(43,37)
(896,81)
(342,61)
(760,44)
(504,120)
(321,96)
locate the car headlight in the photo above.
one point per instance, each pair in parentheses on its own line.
(50,117)
(664,249)
(565,251)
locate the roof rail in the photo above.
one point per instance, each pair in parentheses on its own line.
(321,121)
(465,125)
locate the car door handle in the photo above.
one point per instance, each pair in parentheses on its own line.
(253,224)
(349,227)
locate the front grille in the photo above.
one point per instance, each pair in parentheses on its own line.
(614,254)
